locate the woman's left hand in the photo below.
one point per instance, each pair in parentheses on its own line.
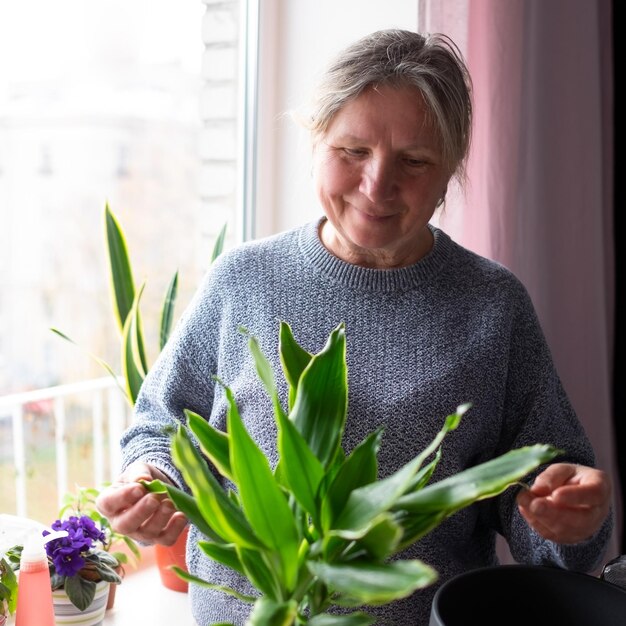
(567,503)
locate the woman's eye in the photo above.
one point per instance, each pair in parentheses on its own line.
(414,162)
(355,152)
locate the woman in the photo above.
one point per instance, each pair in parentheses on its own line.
(429,325)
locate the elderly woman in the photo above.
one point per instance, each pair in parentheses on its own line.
(429,325)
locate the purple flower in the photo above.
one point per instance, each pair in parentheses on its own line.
(67,553)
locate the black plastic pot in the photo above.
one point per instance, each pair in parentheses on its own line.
(516,595)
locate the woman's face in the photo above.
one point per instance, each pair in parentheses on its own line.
(379,176)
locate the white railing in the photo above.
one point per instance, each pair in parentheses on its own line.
(99,393)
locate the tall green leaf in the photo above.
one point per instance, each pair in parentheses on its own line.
(121,276)
(320,408)
(476,483)
(214,443)
(366,503)
(218,510)
(167,311)
(219,243)
(263,500)
(134,366)
(293,358)
(352,619)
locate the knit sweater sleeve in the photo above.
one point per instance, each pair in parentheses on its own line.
(537,409)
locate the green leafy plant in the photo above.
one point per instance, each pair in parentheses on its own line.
(82,501)
(78,560)
(320,528)
(8,587)
(126,299)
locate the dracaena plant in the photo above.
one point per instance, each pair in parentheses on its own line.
(320,528)
(126,299)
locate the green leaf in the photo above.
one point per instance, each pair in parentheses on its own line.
(219,243)
(359,469)
(216,507)
(476,483)
(122,283)
(214,443)
(267,612)
(263,501)
(226,554)
(375,584)
(190,578)
(293,358)
(167,311)
(134,366)
(366,503)
(185,504)
(8,586)
(260,573)
(80,591)
(353,619)
(97,359)
(383,537)
(320,407)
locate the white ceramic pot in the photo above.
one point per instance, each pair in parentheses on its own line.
(66,613)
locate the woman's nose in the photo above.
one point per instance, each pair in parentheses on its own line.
(377,180)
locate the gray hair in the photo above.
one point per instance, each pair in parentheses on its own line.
(399,58)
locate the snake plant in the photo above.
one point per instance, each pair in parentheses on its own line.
(320,528)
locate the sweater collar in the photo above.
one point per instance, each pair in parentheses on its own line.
(375,280)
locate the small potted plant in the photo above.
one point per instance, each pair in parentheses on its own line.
(334,526)
(122,548)
(81,569)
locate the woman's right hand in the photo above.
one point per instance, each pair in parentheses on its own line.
(133,511)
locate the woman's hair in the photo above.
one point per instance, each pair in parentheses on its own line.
(400,58)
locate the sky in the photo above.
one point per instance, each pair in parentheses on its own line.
(44,40)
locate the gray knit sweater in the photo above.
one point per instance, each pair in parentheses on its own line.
(452,328)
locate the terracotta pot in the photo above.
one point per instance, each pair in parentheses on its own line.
(113,588)
(65,613)
(166,556)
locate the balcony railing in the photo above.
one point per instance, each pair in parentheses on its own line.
(99,412)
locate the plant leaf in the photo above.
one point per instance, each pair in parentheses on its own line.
(263,501)
(190,578)
(121,276)
(214,443)
(185,504)
(320,407)
(383,537)
(359,469)
(219,243)
(167,311)
(226,554)
(353,619)
(216,507)
(366,503)
(375,584)
(267,612)
(133,358)
(80,591)
(293,358)
(259,573)
(97,359)
(476,483)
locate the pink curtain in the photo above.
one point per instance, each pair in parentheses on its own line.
(540,195)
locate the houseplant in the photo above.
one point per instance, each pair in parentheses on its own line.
(126,299)
(320,529)
(122,548)
(80,565)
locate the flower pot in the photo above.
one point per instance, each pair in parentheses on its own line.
(66,613)
(518,595)
(113,588)
(166,556)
